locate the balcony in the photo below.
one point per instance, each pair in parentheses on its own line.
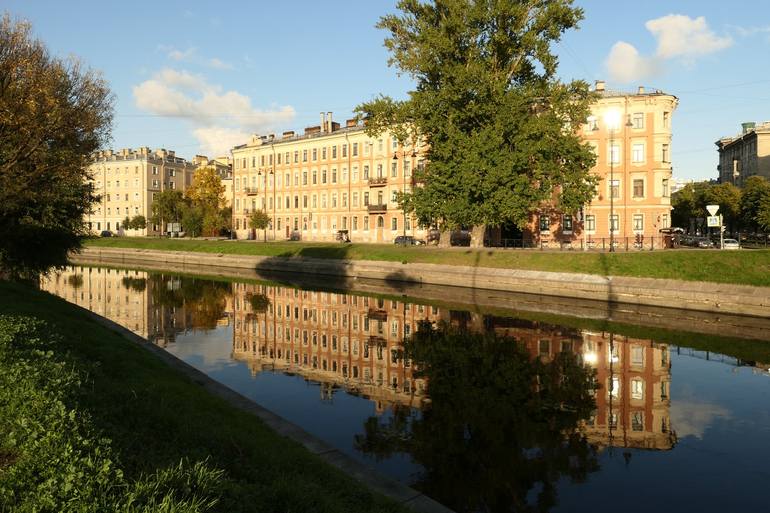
(377,314)
(377,209)
(251,191)
(379,181)
(375,341)
(246,211)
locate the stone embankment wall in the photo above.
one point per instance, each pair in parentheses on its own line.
(699,296)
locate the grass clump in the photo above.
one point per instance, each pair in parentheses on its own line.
(53,457)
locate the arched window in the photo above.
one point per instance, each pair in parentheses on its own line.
(380,222)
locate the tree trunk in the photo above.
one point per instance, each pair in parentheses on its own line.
(477,236)
(444,240)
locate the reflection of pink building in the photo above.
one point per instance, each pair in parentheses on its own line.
(339,339)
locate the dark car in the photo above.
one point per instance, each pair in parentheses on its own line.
(407,240)
(105,233)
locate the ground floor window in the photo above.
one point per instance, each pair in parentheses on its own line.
(545,224)
(638,222)
(566,224)
(408,224)
(366,223)
(614,222)
(394,224)
(591,223)
(355,223)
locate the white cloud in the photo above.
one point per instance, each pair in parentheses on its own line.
(690,417)
(216,141)
(218,64)
(220,119)
(682,36)
(677,36)
(626,65)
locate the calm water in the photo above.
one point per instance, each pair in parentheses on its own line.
(482,412)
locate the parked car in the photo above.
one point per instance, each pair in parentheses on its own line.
(703,242)
(731,244)
(105,233)
(407,240)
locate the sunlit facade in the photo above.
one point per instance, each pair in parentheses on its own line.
(327,179)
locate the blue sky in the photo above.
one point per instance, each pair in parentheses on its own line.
(199,76)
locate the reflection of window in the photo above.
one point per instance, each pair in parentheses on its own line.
(613,387)
(664,389)
(612,420)
(545,347)
(637,389)
(637,421)
(637,355)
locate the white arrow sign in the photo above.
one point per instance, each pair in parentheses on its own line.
(713,209)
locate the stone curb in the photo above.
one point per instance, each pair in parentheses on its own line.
(743,300)
(395,490)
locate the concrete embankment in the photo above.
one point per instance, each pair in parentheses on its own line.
(710,297)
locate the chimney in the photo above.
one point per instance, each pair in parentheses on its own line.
(599,85)
(350,123)
(288,133)
(329,122)
(323,122)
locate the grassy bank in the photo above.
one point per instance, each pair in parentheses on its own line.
(746,267)
(91,422)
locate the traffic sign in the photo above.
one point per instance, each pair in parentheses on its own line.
(713,221)
(713,209)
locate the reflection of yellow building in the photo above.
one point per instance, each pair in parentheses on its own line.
(340,339)
(123,296)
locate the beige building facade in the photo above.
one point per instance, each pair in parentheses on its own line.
(630,134)
(745,155)
(329,178)
(128,180)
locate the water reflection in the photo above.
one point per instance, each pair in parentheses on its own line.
(494,413)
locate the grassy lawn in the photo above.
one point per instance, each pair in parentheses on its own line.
(91,422)
(747,267)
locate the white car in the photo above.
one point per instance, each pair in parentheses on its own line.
(731,244)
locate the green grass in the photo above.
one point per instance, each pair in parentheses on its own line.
(167,445)
(746,267)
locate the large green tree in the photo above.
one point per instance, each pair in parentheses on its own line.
(755,189)
(54,114)
(500,130)
(260,220)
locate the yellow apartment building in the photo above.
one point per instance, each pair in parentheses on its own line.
(630,133)
(745,155)
(327,179)
(127,182)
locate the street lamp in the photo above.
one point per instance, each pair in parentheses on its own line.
(612,120)
(403,186)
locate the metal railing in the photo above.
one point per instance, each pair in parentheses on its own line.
(636,243)
(377,181)
(250,190)
(376,209)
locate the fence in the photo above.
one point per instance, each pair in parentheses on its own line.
(639,243)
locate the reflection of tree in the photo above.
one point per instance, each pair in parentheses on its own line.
(134,284)
(499,427)
(203,300)
(259,302)
(75,281)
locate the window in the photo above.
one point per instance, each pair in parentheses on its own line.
(296,156)
(615,189)
(664,221)
(334,175)
(355,149)
(366,173)
(638,222)
(637,120)
(637,152)
(394,224)
(323,176)
(344,199)
(615,154)
(638,188)
(334,152)
(637,421)
(304,201)
(355,199)
(344,150)
(366,198)
(545,224)
(366,223)
(394,144)
(379,171)
(315,201)
(334,200)
(315,154)
(666,116)
(355,223)
(304,178)
(665,157)
(592,123)
(407,169)
(665,188)
(566,224)
(614,222)
(315,177)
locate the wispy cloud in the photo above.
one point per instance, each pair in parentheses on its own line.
(191,55)
(677,36)
(219,118)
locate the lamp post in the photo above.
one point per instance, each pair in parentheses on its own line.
(403,186)
(612,120)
